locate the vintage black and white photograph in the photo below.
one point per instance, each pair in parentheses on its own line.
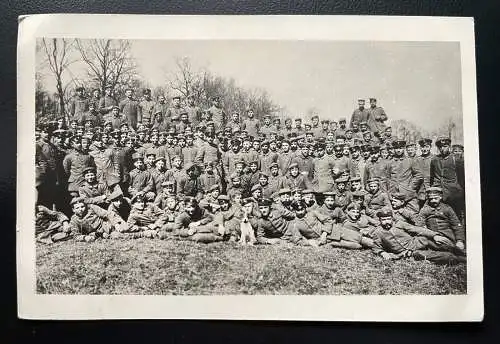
(248,167)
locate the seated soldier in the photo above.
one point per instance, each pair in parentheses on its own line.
(342,196)
(294,179)
(92,191)
(145,218)
(256,193)
(357,227)
(50,225)
(358,197)
(440,218)
(275,179)
(140,178)
(235,186)
(171,210)
(396,240)
(309,198)
(158,174)
(283,203)
(376,198)
(403,212)
(267,190)
(330,209)
(90,221)
(272,228)
(196,224)
(189,184)
(168,189)
(119,205)
(311,224)
(209,177)
(210,202)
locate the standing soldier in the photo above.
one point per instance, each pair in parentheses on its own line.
(130,108)
(217,113)
(424,165)
(107,102)
(404,175)
(95,98)
(360,114)
(76,162)
(147,105)
(159,114)
(322,169)
(251,124)
(193,110)
(377,116)
(79,105)
(447,171)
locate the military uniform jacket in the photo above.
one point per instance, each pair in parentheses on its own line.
(158,178)
(194,114)
(306,165)
(74,163)
(190,187)
(147,107)
(443,220)
(424,165)
(140,181)
(284,160)
(360,116)
(404,176)
(376,118)
(376,201)
(377,169)
(401,237)
(78,107)
(208,153)
(107,166)
(322,173)
(299,182)
(266,130)
(251,126)
(182,221)
(105,104)
(189,154)
(150,215)
(218,117)
(407,214)
(92,221)
(313,224)
(266,159)
(93,192)
(229,160)
(448,173)
(131,110)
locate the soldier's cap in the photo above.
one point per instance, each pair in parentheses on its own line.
(373,180)
(329,194)
(424,142)
(349,130)
(181,137)
(256,187)
(235,142)
(325,121)
(146,91)
(398,195)
(398,143)
(307,191)
(116,194)
(76,200)
(284,191)
(384,212)
(158,158)
(247,200)
(265,202)
(354,148)
(213,188)
(457,145)
(443,140)
(167,182)
(358,193)
(137,156)
(361,100)
(373,99)
(191,166)
(292,165)
(240,162)
(352,205)
(190,200)
(298,119)
(150,151)
(356,179)
(362,123)
(80,88)
(321,140)
(263,174)
(338,146)
(274,164)
(89,169)
(367,133)
(215,98)
(411,143)
(253,162)
(59,132)
(434,190)
(342,119)
(223,198)
(176,96)
(341,180)
(257,139)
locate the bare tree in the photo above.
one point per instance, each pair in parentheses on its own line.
(110,61)
(186,81)
(57,52)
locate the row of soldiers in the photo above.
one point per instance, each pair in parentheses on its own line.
(97,166)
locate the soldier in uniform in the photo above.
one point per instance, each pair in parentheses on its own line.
(360,114)
(251,124)
(447,172)
(79,105)
(147,105)
(424,165)
(377,116)
(130,109)
(107,102)
(218,114)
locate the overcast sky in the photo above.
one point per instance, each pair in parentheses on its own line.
(418,81)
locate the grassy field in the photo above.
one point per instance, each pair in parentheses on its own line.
(146,266)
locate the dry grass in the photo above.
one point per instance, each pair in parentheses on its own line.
(147,266)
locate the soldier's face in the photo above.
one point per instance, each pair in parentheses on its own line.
(129,143)
(256,145)
(411,151)
(215,193)
(274,171)
(297,196)
(235,117)
(342,124)
(425,150)
(224,205)
(285,146)
(150,159)
(288,124)
(346,151)
(373,187)
(399,151)
(265,148)
(85,144)
(236,182)
(434,199)
(267,121)
(89,177)
(264,210)
(309,199)
(262,180)
(320,152)
(128,93)
(384,153)
(334,125)
(396,203)
(250,114)
(325,126)
(330,202)
(190,208)
(79,209)
(81,93)
(458,151)
(300,213)
(444,149)
(361,104)
(373,103)
(160,165)
(293,146)
(356,185)
(139,164)
(273,146)
(257,194)
(176,102)
(96,94)
(341,186)
(298,124)
(386,222)
(171,203)
(253,167)
(285,198)
(315,121)
(294,171)
(348,134)
(117,203)
(305,150)
(354,214)
(177,162)
(161,99)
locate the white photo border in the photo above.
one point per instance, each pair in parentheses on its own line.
(469,307)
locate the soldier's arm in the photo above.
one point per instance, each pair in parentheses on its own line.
(432,177)
(416,230)
(455,224)
(417,176)
(67,164)
(149,183)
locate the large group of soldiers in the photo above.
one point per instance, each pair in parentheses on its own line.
(140,168)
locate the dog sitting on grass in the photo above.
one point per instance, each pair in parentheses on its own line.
(247,233)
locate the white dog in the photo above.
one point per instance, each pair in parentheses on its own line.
(247,233)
